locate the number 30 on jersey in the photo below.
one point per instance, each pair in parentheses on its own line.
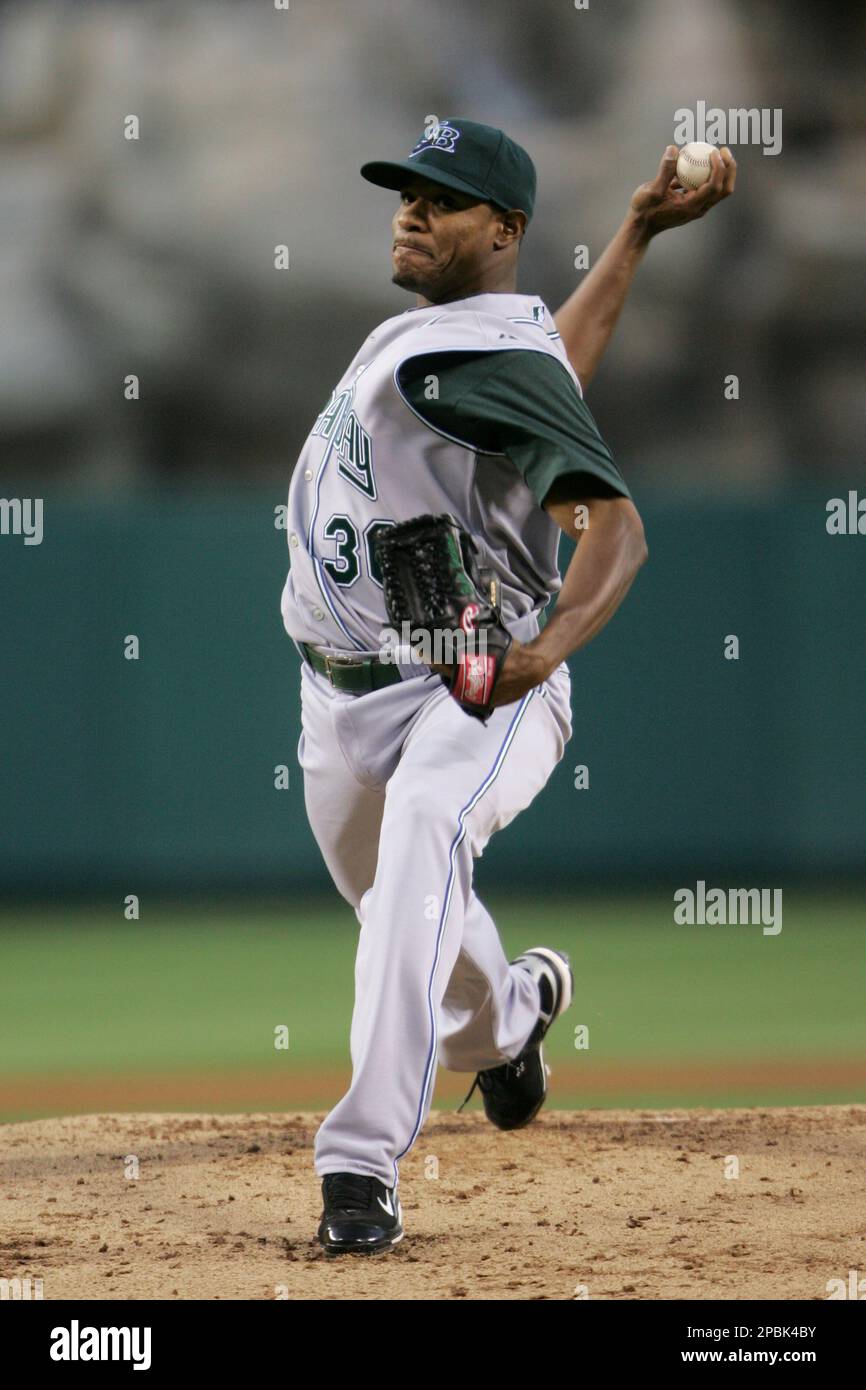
(344,567)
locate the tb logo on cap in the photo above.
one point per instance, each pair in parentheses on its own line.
(441,137)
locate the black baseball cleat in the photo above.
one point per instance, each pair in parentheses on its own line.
(361,1215)
(514,1093)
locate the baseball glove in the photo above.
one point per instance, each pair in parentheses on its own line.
(433,582)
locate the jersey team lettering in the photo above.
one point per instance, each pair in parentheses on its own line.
(351,443)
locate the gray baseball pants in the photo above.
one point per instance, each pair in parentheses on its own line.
(403,791)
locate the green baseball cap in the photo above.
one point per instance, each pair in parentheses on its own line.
(471,158)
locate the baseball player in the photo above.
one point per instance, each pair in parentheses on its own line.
(467,406)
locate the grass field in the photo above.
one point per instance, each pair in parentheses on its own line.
(178,1010)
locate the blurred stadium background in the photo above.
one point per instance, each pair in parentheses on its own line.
(155,257)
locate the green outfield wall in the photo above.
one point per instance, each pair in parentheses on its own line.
(158,773)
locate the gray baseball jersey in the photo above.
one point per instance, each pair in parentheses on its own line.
(371,460)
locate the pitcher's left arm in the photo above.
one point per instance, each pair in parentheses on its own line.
(611,549)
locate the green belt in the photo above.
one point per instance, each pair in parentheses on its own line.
(358,675)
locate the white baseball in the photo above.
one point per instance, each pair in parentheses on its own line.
(693,164)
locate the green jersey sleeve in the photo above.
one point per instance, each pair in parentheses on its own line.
(519,403)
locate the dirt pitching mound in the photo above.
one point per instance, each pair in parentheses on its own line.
(599,1204)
